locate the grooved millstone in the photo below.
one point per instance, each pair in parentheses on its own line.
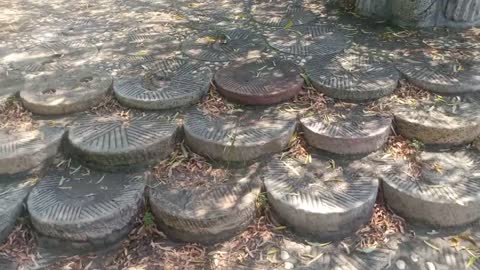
(206,214)
(113,142)
(224,46)
(167,84)
(85,207)
(13,192)
(449,122)
(24,151)
(259,82)
(52,56)
(353,76)
(283,15)
(241,135)
(149,43)
(379,258)
(65,92)
(347,130)
(447,193)
(319,200)
(308,40)
(441,74)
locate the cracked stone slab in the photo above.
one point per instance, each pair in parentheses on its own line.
(81,205)
(310,40)
(66,92)
(347,130)
(451,121)
(353,76)
(50,56)
(443,74)
(320,200)
(240,135)
(28,150)
(166,84)
(114,142)
(206,213)
(259,82)
(13,192)
(446,192)
(225,46)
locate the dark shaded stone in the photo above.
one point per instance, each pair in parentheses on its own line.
(259,82)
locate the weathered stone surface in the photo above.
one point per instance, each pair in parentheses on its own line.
(423,13)
(166,84)
(444,74)
(57,93)
(206,213)
(259,82)
(347,130)
(451,121)
(28,150)
(445,194)
(13,192)
(281,13)
(380,258)
(225,46)
(10,84)
(240,135)
(308,40)
(353,76)
(321,200)
(52,56)
(115,142)
(80,205)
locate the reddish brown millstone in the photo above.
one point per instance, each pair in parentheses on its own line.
(259,82)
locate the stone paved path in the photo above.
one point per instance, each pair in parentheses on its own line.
(227,134)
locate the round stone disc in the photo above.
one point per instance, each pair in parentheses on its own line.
(65,92)
(439,122)
(24,151)
(347,130)
(446,193)
(442,74)
(259,82)
(274,15)
(52,56)
(208,213)
(13,192)
(353,76)
(94,207)
(319,200)
(308,40)
(240,135)
(167,84)
(224,46)
(114,142)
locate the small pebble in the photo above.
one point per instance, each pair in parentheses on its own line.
(284,255)
(400,264)
(430,266)
(414,257)
(289,265)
